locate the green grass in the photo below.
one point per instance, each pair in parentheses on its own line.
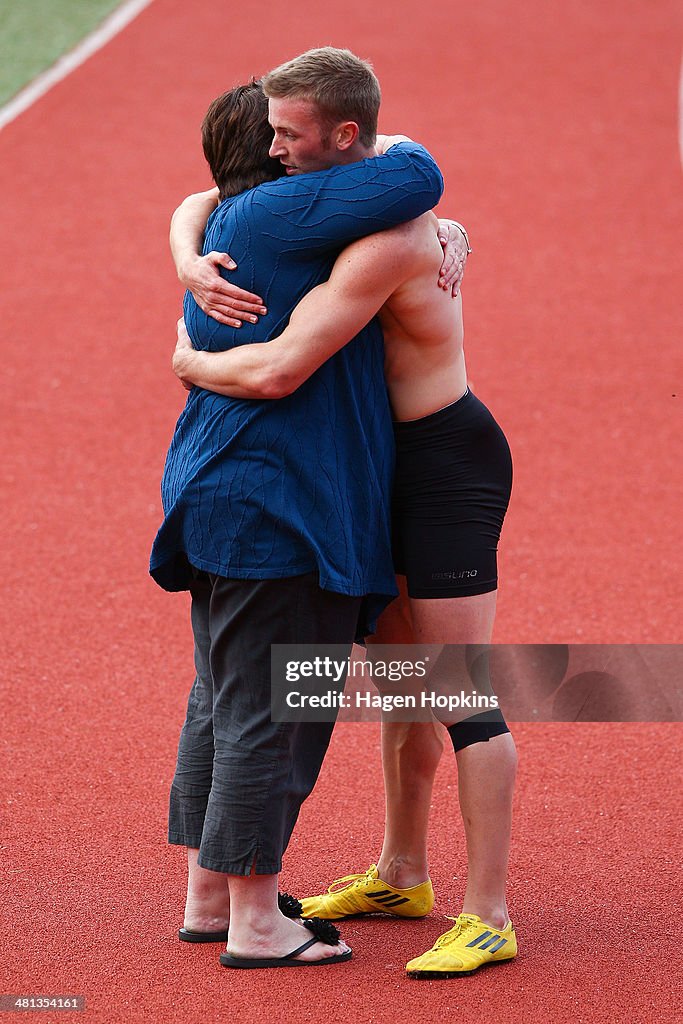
(34,33)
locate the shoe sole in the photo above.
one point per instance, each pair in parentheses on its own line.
(227,960)
(187,936)
(374,913)
(438,975)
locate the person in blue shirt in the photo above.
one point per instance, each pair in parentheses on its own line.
(451,491)
(276,514)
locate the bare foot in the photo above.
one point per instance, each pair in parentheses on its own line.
(198,919)
(207,908)
(277,937)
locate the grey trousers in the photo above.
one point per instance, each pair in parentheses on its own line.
(240,778)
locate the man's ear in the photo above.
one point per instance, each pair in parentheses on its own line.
(346,134)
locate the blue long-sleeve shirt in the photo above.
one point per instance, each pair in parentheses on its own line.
(257,489)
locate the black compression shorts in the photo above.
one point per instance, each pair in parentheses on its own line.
(451,491)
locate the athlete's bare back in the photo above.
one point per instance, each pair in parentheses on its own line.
(394,272)
(423,329)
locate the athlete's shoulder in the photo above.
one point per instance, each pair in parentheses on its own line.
(403,242)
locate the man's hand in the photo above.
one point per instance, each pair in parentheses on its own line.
(385,142)
(182,356)
(453,241)
(454,256)
(219,299)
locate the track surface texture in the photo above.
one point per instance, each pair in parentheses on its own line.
(556,128)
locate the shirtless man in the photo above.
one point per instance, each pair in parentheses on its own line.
(453,480)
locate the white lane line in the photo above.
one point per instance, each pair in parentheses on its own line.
(680,113)
(110,27)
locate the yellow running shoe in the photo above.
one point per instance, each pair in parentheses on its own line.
(468,945)
(355,895)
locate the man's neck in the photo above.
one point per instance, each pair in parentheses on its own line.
(355,153)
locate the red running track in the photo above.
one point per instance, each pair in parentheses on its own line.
(556,128)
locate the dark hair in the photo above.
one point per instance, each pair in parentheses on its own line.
(236,138)
(342,86)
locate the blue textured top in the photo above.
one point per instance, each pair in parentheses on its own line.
(258,489)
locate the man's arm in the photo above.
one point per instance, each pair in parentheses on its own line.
(319,211)
(229,304)
(222,301)
(362,279)
(187,228)
(323,211)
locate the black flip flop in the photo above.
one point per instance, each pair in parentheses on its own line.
(289,906)
(323,931)
(185,935)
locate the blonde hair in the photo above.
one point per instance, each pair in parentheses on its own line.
(342,86)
